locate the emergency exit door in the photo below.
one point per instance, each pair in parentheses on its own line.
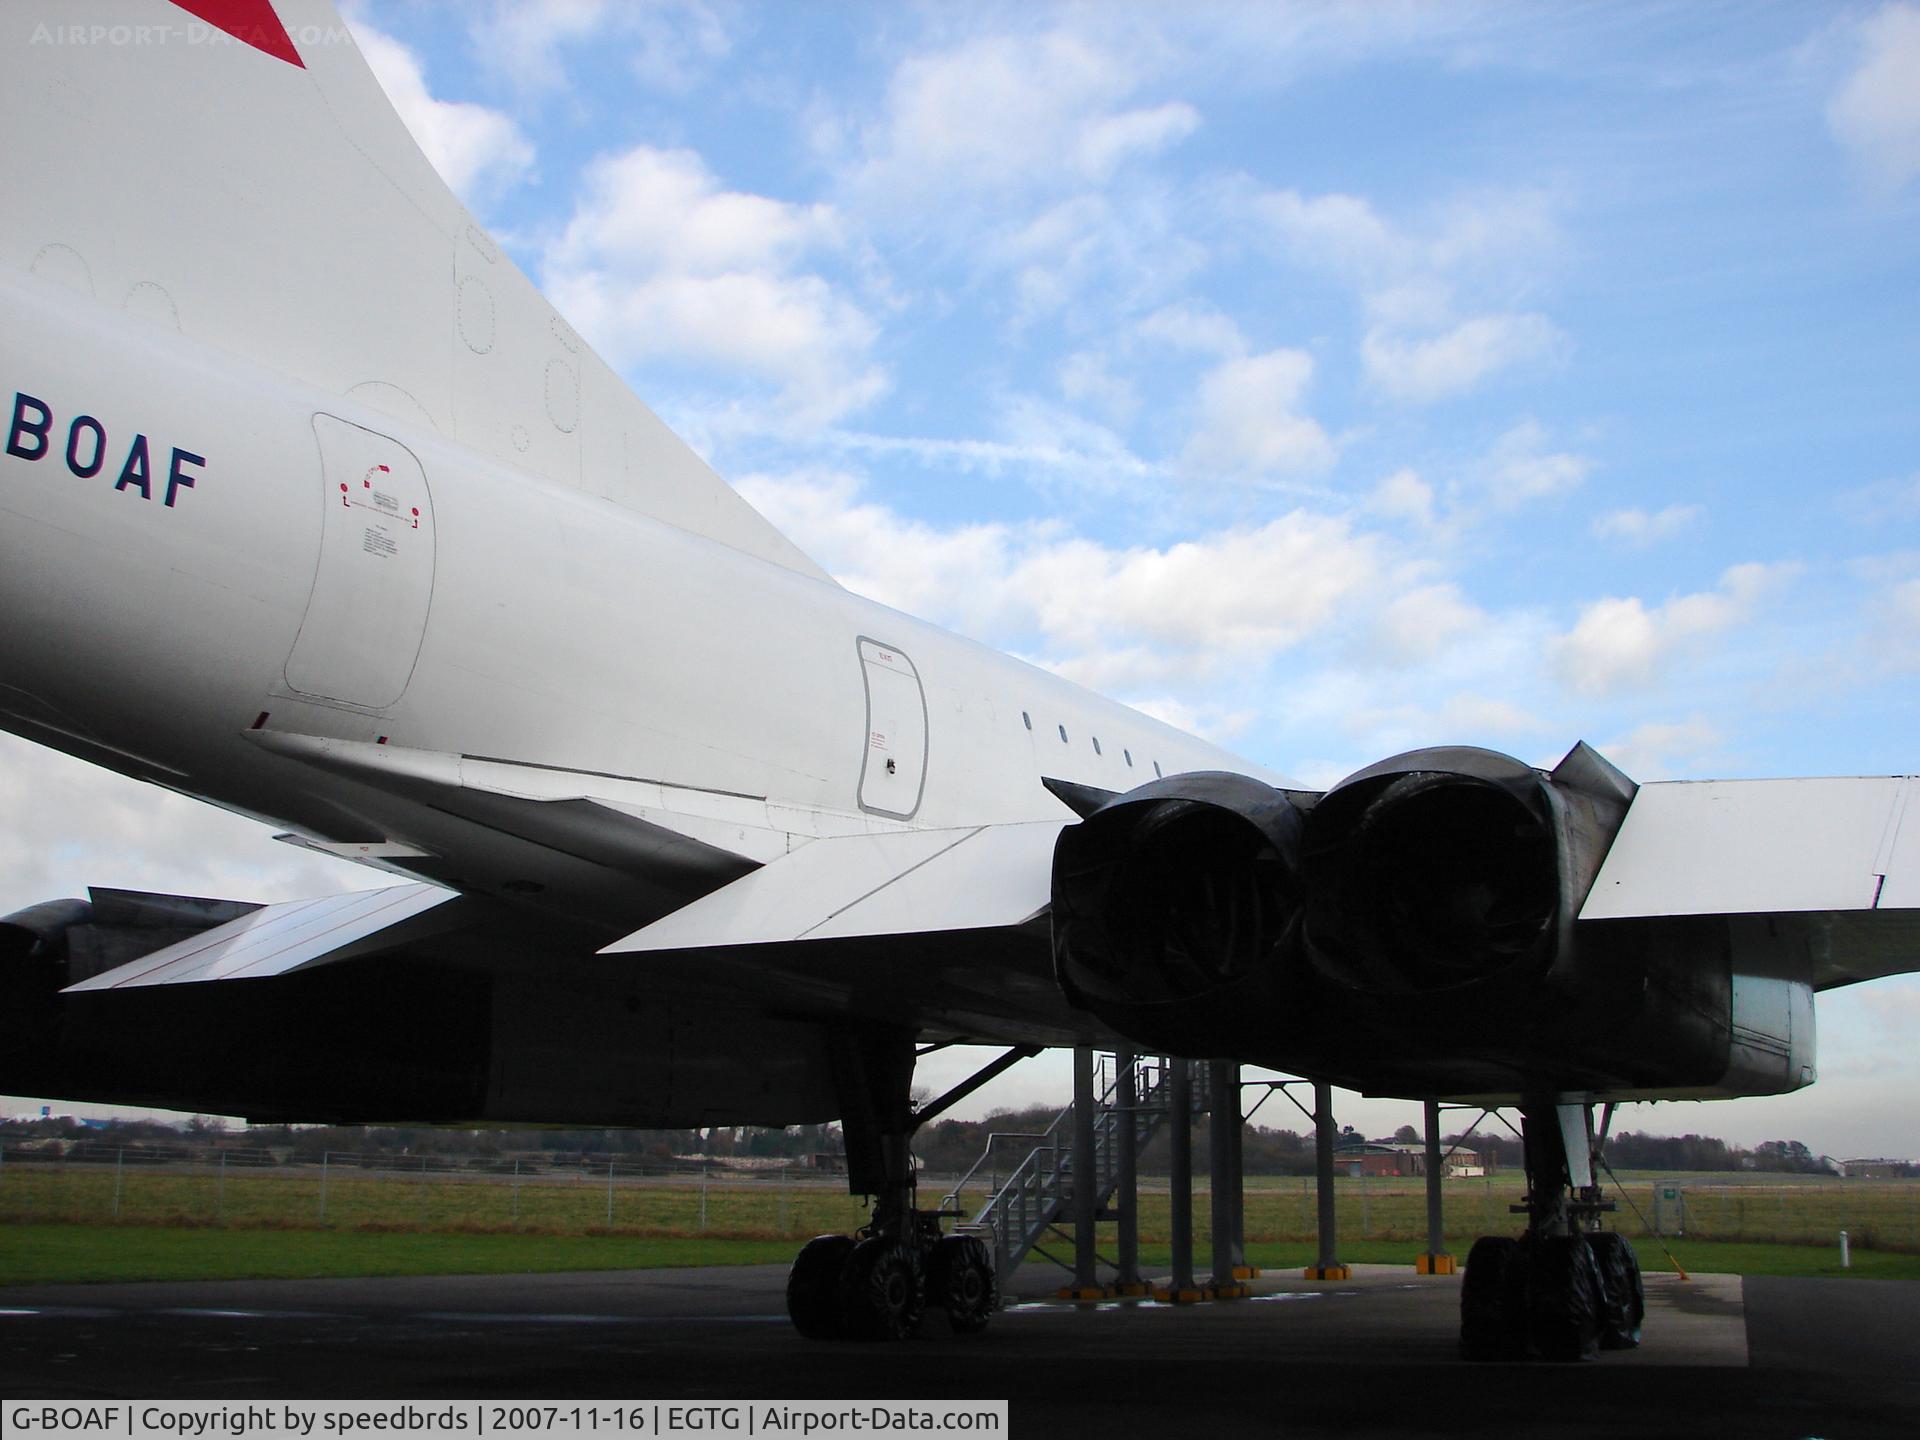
(367,614)
(894,771)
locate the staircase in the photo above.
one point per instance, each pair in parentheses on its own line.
(1039,1190)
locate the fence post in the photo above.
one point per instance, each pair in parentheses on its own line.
(119,1167)
(323,1187)
(220,1193)
(516,1192)
(423,1190)
(609,1192)
(705,1171)
(783,1200)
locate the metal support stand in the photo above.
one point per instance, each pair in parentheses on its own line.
(1223,1131)
(1435,1261)
(1241,1269)
(1181,1289)
(1086,1196)
(1127,1185)
(1328,1266)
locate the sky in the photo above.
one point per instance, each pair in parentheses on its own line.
(1329,380)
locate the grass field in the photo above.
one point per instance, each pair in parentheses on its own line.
(1793,1210)
(87,1222)
(62,1254)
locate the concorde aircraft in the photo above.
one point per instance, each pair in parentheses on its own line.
(312,508)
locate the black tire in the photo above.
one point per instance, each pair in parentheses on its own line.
(1623,1309)
(883,1291)
(1564,1296)
(960,1280)
(813,1286)
(1492,1325)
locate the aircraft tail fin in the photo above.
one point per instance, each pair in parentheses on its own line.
(232,169)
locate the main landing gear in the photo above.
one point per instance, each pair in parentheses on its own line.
(880,1283)
(1566,1288)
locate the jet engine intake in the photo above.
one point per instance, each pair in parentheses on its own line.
(1433,870)
(1176,900)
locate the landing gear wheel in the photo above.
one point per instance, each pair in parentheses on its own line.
(883,1291)
(1564,1297)
(1623,1306)
(1493,1315)
(813,1286)
(960,1280)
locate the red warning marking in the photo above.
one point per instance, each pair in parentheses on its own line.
(250,21)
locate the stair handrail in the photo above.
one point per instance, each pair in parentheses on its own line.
(952,1197)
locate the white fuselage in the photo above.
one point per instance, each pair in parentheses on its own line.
(504,617)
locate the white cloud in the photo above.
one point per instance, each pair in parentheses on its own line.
(1417,624)
(523,40)
(1438,367)
(1432,290)
(1085,378)
(659,261)
(1876,113)
(1403,495)
(1250,424)
(1618,643)
(1464,718)
(1337,232)
(1190,325)
(1010,113)
(1661,750)
(667,44)
(479,152)
(70,825)
(1639,528)
(1521,467)
(1126,618)
(1900,623)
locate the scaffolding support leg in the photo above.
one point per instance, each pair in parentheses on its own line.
(1435,1261)
(1127,1170)
(1086,1184)
(1241,1270)
(1181,1288)
(1328,1266)
(1223,1085)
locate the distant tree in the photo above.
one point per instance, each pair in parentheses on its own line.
(1406,1135)
(1788,1155)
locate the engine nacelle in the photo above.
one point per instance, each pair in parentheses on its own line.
(1452,870)
(1412,930)
(1179,901)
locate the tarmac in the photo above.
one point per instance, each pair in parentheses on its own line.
(1376,1355)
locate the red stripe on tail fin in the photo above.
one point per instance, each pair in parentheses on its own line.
(252,21)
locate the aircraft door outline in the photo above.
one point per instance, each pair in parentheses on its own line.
(893,764)
(366,617)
